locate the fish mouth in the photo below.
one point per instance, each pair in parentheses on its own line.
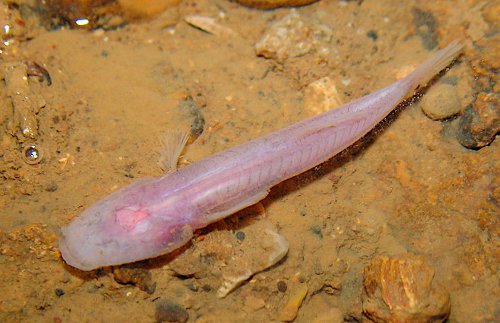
(72,256)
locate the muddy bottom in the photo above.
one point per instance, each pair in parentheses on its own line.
(97,101)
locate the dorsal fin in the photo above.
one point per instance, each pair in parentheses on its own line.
(173,143)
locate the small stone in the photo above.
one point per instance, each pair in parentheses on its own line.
(402,289)
(372,34)
(316,230)
(282,287)
(441,102)
(66,277)
(240,235)
(52,187)
(59,292)
(167,311)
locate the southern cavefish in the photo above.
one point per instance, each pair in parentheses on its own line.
(154,216)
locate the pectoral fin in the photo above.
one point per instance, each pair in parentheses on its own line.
(224,210)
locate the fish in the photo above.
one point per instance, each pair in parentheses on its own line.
(155,216)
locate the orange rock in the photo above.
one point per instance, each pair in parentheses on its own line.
(402,289)
(291,308)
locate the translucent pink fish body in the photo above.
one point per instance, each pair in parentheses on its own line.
(154,216)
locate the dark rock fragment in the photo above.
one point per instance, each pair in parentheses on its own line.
(167,311)
(480,122)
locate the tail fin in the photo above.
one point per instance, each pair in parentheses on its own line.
(428,69)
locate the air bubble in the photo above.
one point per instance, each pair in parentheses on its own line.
(32,154)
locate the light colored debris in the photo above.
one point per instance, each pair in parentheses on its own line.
(209,25)
(271,246)
(321,96)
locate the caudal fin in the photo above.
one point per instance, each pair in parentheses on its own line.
(428,69)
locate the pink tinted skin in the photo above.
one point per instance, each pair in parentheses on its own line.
(151,217)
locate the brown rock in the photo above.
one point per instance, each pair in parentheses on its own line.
(139,277)
(441,102)
(293,36)
(402,289)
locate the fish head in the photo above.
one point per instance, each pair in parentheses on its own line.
(131,224)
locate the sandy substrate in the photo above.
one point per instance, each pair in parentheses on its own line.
(409,187)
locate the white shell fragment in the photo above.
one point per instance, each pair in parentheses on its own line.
(271,246)
(209,25)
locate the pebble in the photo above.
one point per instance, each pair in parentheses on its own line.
(167,311)
(240,235)
(441,102)
(282,287)
(51,187)
(59,292)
